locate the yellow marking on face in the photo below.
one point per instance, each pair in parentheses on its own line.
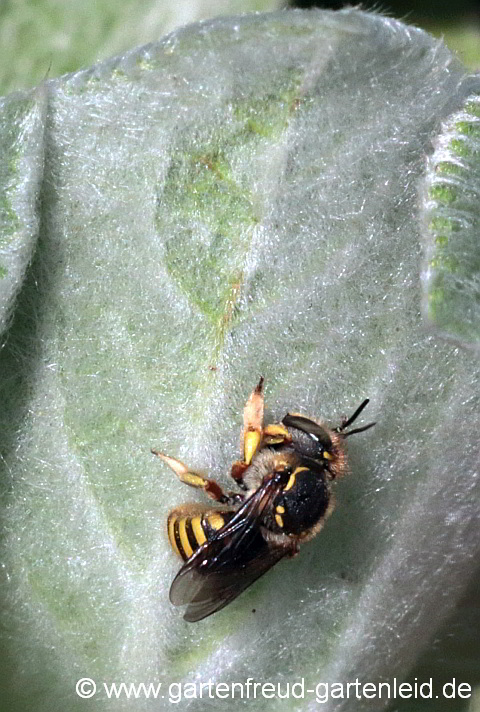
(171,535)
(281,509)
(279,520)
(327,455)
(184,538)
(196,523)
(216,521)
(250,445)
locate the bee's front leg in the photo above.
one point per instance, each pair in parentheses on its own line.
(193,479)
(252,432)
(255,434)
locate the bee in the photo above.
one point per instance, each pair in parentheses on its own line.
(284,482)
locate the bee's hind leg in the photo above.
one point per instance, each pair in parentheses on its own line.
(193,479)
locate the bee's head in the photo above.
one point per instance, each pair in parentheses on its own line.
(319,442)
(318,437)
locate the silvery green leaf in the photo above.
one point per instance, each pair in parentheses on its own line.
(50,38)
(242,199)
(451,654)
(452,207)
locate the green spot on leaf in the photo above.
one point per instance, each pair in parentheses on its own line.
(473,108)
(453,254)
(449,168)
(443,193)
(468,129)
(459,147)
(440,223)
(212,192)
(447,262)
(441,241)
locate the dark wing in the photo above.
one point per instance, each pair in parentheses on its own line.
(218,588)
(223,567)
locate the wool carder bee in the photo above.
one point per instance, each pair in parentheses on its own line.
(284,499)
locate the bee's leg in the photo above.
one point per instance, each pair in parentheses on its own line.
(253,423)
(252,432)
(294,549)
(276,434)
(193,479)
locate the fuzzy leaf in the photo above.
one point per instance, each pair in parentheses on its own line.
(452,204)
(49,37)
(239,199)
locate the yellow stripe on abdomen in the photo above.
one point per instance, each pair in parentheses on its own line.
(197,529)
(216,520)
(182,531)
(171,535)
(187,533)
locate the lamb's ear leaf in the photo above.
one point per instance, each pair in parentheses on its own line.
(451,278)
(22,150)
(238,200)
(449,665)
(40,42)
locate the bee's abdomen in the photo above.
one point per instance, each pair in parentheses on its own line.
(186,532)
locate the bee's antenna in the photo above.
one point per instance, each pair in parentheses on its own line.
(359,430)
(353,417)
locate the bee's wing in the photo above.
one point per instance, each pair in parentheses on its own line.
(219,589)
(227,564)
